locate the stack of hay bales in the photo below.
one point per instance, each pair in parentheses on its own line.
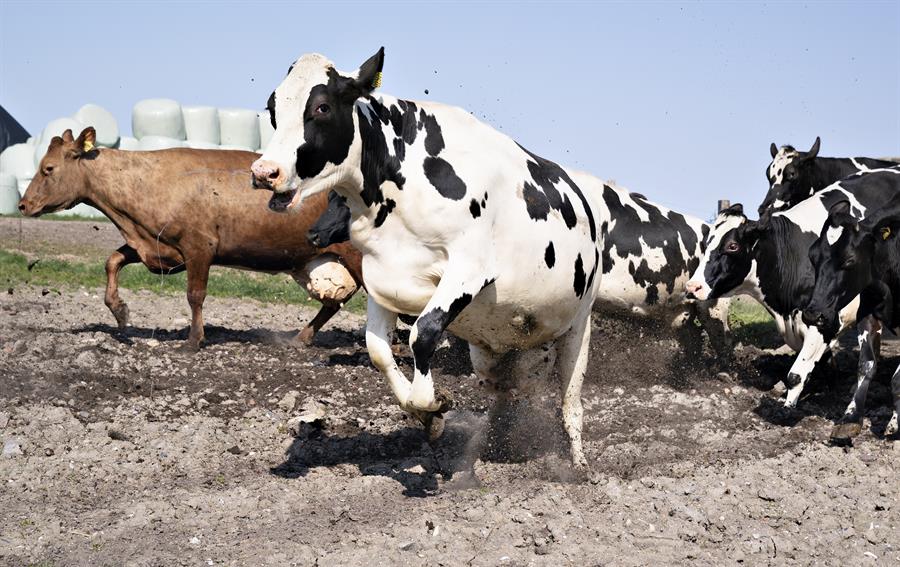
(156,124)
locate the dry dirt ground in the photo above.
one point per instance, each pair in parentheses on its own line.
(118,449)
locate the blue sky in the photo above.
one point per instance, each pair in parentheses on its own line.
(676,101)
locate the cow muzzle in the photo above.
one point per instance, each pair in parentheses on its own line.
(267,175)
(695,290)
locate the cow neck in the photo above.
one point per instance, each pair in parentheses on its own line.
(886,269)
(110,186)
(387,127)
(826,171)
(786,276)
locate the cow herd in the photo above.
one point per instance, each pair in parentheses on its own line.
(453,225)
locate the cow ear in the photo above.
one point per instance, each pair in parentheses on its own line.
(735,210)
(86,141)
(838,213)
(814,150)
(751,231)
(369,76)
(67,136)
(773,149)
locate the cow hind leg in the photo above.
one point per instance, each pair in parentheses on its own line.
(572,362)
(850,423)
(328,310)
(197,280)
(117,260)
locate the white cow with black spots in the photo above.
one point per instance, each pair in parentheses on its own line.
(454,221)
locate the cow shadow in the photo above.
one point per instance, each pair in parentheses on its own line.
(423,468)
(217,335)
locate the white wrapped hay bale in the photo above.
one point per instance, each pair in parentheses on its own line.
(325,278)
(129,143)
(103,122)
(201,124)
(239,128)
(9,194)
(18,160)
(23,182)
(150,143)
(54,128)
(201,145)
(265,128)
(157,117)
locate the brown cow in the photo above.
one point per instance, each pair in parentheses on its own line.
(185,209)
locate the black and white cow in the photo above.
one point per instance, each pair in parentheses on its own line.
(648,255)
(794,175)
(859,258)
(457,224)
(769,261)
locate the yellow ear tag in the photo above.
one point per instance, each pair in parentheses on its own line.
(88,146)
(885,232)
(377,81)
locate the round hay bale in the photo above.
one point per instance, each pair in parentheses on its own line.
(9,194)
(265,129)
(129,143)
(103,122)
(151,143)
(239,127)
(201,123)
(241,148)
(23,182)
(18,160)
(54,128)
(86,211)
(326,278)
(157,117)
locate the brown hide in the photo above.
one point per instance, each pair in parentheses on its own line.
(182,209)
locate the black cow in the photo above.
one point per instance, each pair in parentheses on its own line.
(768,259)
(794,175)
(859,258)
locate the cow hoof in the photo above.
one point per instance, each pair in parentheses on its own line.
(121,315)
(792,380)
(304,338)
(843,433)
(400,350)
(434,425)
(189,347)
(444,398)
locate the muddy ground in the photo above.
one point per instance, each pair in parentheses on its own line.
(118,449)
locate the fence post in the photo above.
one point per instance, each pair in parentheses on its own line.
(723,204)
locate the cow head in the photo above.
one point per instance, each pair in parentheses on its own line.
(60,180)
(847,258)
(789,177)
(333,227)
(316,144)
(727,260)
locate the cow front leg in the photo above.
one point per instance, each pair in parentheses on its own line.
(453,294)
(380,324)
(117,260)
(813,348)
(573,348)
(893,426)
(197,279)
(850,423)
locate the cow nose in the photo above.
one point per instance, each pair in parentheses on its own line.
(693,289)
(812,318)
(266,174)
(23,207)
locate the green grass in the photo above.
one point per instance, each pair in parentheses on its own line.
(61,217)
(751,324)
(223,282)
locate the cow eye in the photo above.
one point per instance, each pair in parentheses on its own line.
(732,246)
(48,169)
(323,109)
(848,263)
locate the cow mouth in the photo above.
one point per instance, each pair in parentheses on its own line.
(281,201)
